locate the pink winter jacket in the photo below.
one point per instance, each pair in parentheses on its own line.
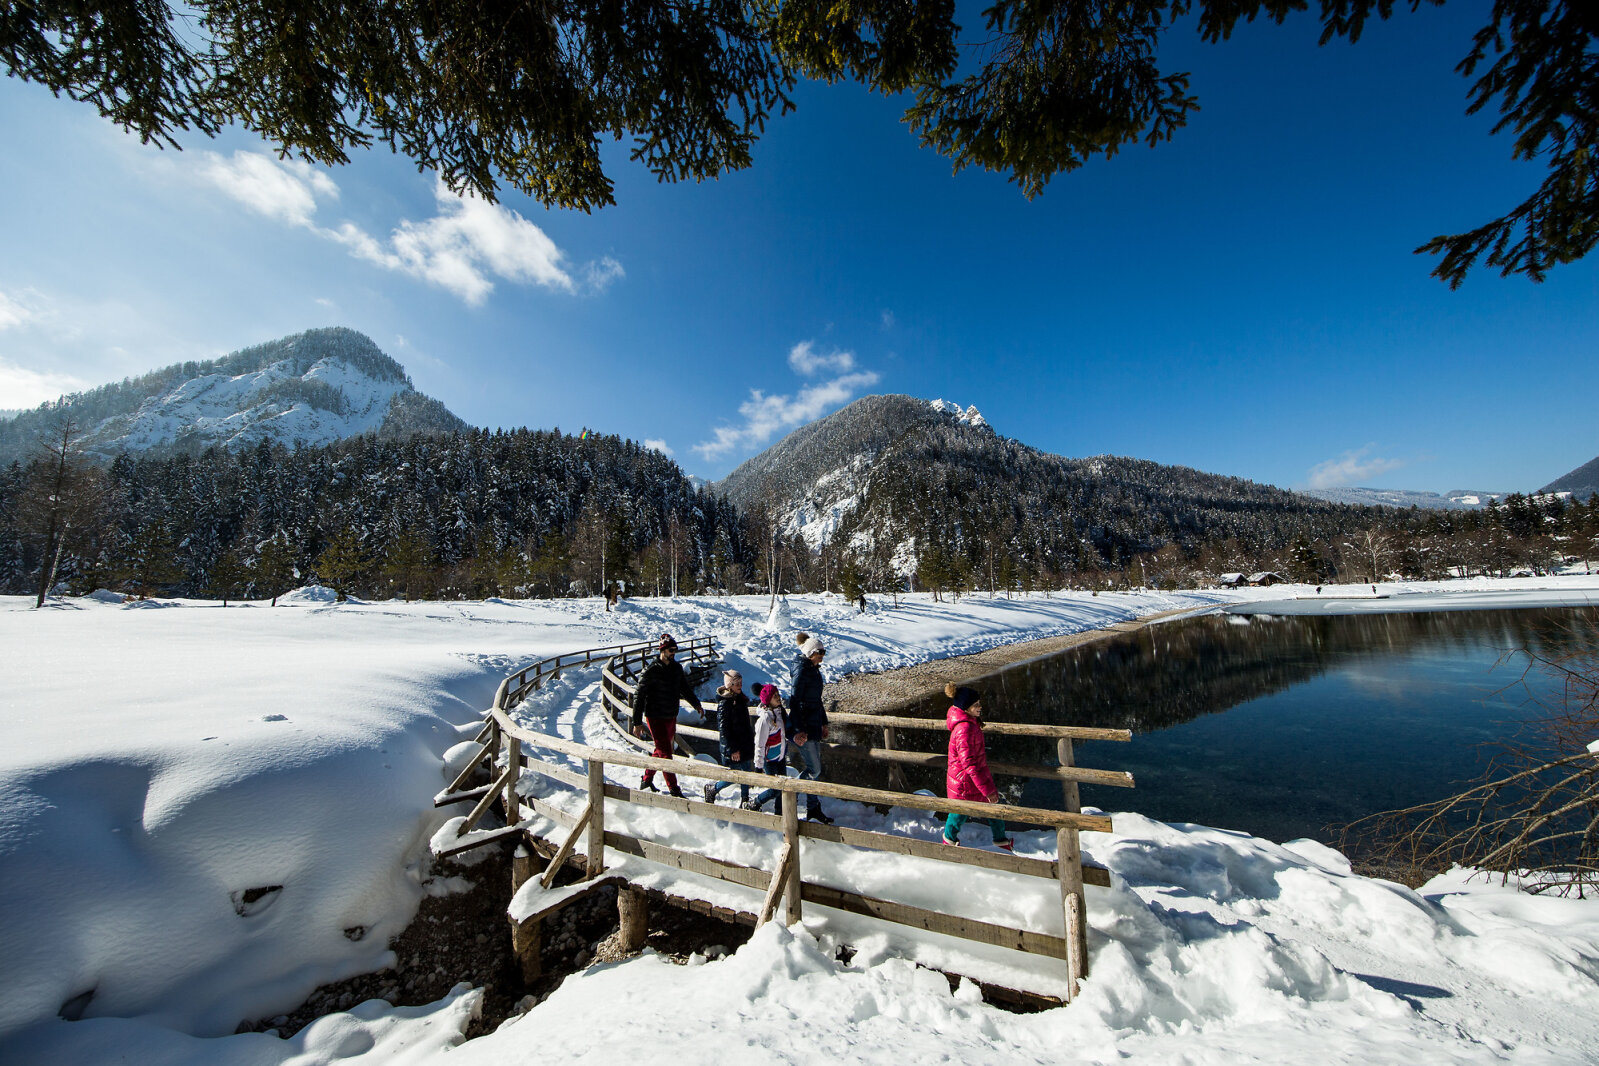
(968,777)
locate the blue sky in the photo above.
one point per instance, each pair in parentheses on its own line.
(1242,300)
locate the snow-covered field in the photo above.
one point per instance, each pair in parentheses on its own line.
(164,760)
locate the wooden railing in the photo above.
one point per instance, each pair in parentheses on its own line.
(616,688)
(784,882)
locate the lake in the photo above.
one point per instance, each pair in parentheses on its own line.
(1281,726)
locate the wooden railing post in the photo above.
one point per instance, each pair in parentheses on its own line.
(513,771)
(896,775)
(596,839)
(1069,857)
(791,841)
(527,938)
(633,918)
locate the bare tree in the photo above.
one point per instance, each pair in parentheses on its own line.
(1533,816)
(1372,549)
(61,500)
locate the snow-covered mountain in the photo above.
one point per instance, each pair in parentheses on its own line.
(1454,499)
(315,387)
(891,477)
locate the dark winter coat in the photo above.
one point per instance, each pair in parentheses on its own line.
(733,723)
(659,689)
(805,711)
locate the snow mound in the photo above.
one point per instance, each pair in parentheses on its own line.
(106,596)
(779,619)
(310,594)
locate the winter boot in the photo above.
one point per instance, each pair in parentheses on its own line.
(710,793)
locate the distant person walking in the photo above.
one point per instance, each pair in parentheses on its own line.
(733,729)
(807,720)
(655,701)
(770,744)
(968,777)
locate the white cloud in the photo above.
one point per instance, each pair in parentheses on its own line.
(1351,467)
(22,389)
(464,248)
(765,415)
(466,243)
(12,312)
(658,445)
(804,359)
(285,190)
(888,320)
(599,274)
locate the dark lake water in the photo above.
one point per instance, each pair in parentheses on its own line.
(1281,726)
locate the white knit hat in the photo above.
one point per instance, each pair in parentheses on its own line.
(811,647)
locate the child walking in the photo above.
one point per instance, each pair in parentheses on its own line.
(733,728)
(967,777)
(771,745)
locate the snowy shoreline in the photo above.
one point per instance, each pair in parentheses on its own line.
(165,761)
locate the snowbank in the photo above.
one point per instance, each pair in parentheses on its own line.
(205,813)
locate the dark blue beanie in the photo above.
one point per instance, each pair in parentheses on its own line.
(965,697)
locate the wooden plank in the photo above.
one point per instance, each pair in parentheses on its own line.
(559,858)
(485,803)
(444,799)
(859,838)
(572,893)
(555,773)
(926,849)
(1014,729)
(934,922)
(684,805)
(478,839)
(551,811)
(725,914)
(874,796)
(934,761)
(774,891)
(688,861)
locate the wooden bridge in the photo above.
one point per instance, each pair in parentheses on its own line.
(576,835)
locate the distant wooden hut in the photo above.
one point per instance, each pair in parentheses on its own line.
(1230,581)
(1266,577)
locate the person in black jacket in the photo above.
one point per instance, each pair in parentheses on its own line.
(737,737)
(655,701)
(807,724)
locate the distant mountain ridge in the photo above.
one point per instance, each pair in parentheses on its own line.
(315,387)
(1582,482)
(893,477)
(1453,500)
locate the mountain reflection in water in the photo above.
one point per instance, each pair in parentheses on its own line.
(1275,726)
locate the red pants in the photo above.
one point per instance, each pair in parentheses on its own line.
(664,732)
